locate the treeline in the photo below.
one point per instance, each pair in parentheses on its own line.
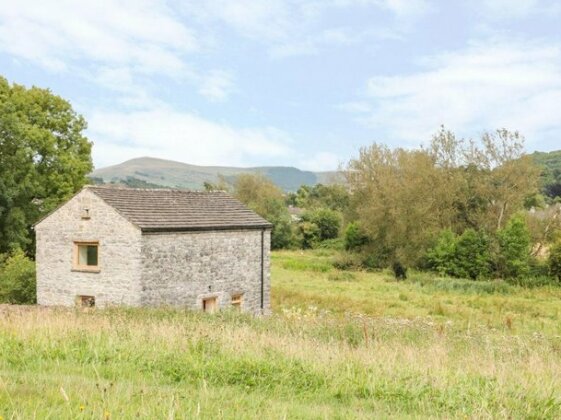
(470,209)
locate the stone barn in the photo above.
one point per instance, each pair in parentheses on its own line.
(151,247)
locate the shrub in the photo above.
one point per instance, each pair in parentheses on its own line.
(514,249)
(441,257)
(538,268)
(472,257)
(309,234)
(335,244)
(327,222)
(347,261)
(281,233)
(399,270)
(355,237)
(555,260)
(17,279)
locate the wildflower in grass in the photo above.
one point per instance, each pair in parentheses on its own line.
(107,415)
(82,408)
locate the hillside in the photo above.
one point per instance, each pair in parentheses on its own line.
(167,173)
(551,176)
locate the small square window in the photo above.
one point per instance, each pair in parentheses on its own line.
(85,301)
(86,256)
(237,301)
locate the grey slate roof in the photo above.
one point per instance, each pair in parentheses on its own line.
(167,210)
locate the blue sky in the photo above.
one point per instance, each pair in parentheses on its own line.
(288,82)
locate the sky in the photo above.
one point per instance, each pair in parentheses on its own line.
(289,82)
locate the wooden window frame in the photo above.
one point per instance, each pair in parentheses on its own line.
(83,301)
(75,257)
(237,301)
(209,299)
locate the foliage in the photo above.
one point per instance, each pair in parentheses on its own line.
(327,222)
(555,260)
(266,199)
(17,279)
(550,164)
(44,159)
(334,197)
(514,248)
(355,237)
(336,244)
(309,234)
(404,198)
(440,258)
(347,261)
(221,185)
(399,270)
(472,256)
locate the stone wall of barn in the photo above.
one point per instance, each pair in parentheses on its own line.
(118,279)
(182,269)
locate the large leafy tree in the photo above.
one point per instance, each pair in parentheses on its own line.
(267,200)
(44,159)
(404,198)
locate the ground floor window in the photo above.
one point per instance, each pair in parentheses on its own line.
(237,301)
(210,304)
(85,301)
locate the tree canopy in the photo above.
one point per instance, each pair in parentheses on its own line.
(44,159)
(405,198)
(267,200)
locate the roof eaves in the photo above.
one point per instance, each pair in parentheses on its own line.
(150,230)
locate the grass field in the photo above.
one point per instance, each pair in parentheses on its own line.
(339,345)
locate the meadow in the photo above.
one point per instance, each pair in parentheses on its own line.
(339,344)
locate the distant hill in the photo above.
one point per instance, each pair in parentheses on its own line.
(149,172)
(551,175)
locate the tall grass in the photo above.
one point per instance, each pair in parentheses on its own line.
(337,346)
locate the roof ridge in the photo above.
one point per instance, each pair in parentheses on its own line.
(127,188)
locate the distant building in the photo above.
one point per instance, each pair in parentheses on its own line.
(295,213)
(152,247)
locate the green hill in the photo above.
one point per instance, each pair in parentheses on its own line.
(551,175)
(147,171)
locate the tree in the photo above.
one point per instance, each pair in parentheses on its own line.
(514,246)
(490,180)
(334,197)
(355,237)
(17,279)
(266,199)
(440,257)
(44,159)
(327,221)
(400,201)
(472,256)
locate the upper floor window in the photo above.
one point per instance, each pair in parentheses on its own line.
(86,256)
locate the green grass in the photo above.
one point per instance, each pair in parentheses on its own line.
(339,345)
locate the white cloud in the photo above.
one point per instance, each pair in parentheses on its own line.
(509,9)
(290,27)
(168,134)
(217,85)
(489,85)
(57,34)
